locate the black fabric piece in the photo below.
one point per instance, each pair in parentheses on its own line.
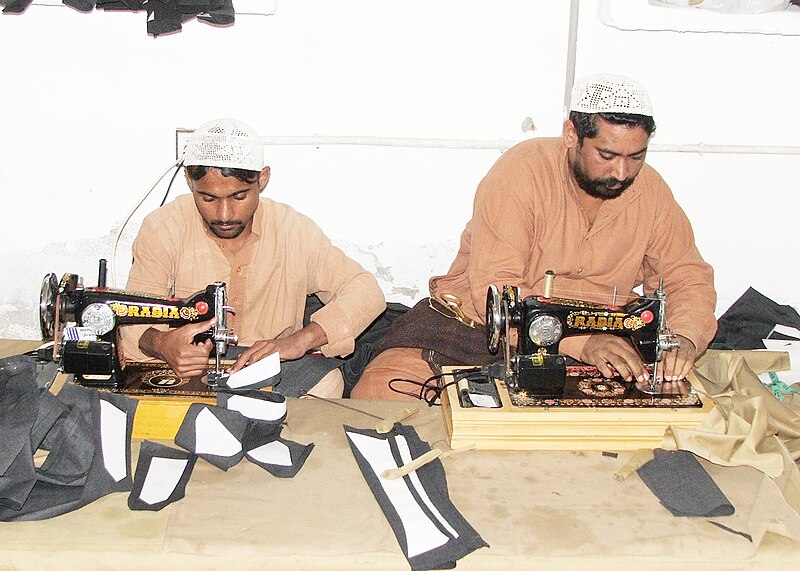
(147,453)
(120,5)
(163,17)
(366,344)
(432,478)
(80,5)
(224,16)
(452,342)
(16,7)
(69,427)
(683,486)
(750,319)
(236,423)
(218,12)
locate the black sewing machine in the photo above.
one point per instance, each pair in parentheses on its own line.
(82,322)
(541,322)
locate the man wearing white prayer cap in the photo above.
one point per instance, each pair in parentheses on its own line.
(588,207)
(271,258)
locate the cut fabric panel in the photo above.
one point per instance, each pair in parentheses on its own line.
(280,457)
(683,486)
(255,405)
(213,433)
(161,476)
(266,411)
(430,530)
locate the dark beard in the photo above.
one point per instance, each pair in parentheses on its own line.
(599,187)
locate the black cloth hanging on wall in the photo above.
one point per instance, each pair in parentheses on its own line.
(163,16)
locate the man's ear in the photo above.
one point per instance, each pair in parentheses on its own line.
(263,179)
(570,134)
(186,176)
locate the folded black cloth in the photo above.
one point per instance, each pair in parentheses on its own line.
(750,319)
(683,486)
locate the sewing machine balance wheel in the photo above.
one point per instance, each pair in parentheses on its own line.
(47,306)
(495,319)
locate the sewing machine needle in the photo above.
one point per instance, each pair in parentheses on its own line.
(654,378)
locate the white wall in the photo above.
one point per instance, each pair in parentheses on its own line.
(92,103)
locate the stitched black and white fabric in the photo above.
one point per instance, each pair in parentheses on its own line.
(161,476)
(430,530)
(214,434)
(246,424)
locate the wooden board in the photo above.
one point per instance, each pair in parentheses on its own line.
(159,418)
(557,428)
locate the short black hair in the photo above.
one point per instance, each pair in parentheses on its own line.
(196,172)
(586,123)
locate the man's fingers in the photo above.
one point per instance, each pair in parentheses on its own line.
(255,353)
(192,329)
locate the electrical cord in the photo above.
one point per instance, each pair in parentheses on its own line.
(431,393)
(177,166)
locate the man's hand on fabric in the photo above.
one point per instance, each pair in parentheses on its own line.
(612,356)
(677,363)
(178,349)
(290,347)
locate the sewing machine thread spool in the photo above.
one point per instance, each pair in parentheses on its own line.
(549,276)
(102,273)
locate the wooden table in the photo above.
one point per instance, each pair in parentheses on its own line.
(535,509)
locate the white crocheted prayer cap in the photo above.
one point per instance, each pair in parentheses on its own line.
(608,93)
(225,143)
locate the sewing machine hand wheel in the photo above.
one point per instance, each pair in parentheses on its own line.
(47,306)
(495,319)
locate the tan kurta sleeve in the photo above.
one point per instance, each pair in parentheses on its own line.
(688,279)
(352,297)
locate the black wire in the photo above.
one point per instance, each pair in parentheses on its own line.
(169,186)
(429,393)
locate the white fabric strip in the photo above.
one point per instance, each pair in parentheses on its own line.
(255,408)
(113,432)
(162,477)
(405,454)
(275,452)
(211,436)
(253,374)
(421,532)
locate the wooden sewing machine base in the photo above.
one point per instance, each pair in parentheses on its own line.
(604,428)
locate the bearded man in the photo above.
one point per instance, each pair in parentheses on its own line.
(586,206)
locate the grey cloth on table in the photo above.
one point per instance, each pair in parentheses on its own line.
(79,429)
(683,486)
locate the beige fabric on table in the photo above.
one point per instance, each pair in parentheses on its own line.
(750,427)
(527,220)
(554,510)
(286,258)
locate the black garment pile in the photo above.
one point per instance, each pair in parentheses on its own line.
(163,16)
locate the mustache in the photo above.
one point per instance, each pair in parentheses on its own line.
(226,223)
(609,182)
